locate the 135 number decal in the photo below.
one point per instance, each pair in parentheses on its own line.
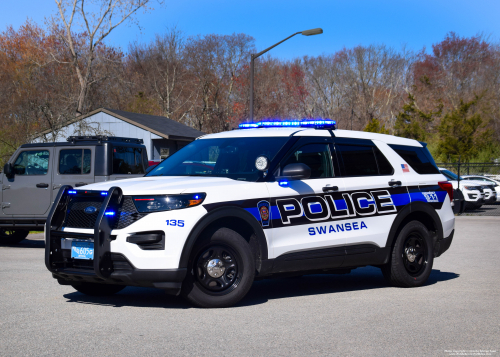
(175,222)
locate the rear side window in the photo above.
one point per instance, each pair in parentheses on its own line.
(361,161)
(128,160)
(419,158)
(358,160)
(74,162)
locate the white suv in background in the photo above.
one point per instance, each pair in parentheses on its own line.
(488,181)
(271,199)
(475,192)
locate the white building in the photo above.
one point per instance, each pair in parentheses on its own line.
(162,136)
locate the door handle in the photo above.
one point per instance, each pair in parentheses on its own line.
(394,183)
(330,188)
(42,185)
(80,184)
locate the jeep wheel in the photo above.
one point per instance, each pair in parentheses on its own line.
(412,257)
(95,289)
(8,236)
(221,270)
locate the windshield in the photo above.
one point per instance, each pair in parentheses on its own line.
(450,175)
(233,158)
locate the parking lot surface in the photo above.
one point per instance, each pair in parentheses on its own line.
(354,314)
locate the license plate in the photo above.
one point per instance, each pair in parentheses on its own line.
(82,250)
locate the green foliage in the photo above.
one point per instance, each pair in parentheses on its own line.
(413,123)
(462,132)
(374,126)
(143,105)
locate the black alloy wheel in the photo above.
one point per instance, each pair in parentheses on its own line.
(411,258)
(217,270)
(221,269)
(12,236)
(414,254)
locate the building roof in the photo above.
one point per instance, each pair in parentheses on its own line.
(161,126)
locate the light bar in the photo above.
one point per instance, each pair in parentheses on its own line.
(304,123)
(104,193)
(72,192)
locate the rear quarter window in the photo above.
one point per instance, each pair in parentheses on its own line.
(128,160)
(419,158)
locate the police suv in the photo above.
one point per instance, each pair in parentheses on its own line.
(271,199)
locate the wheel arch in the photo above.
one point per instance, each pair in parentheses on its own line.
(416,211)
(234,218)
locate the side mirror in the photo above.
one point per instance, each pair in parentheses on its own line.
(8,170)
(296,172)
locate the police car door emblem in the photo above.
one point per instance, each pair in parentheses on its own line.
(90,210)
(263,207)
(430,196)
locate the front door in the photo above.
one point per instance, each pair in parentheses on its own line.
(302,235)
(75,167)
(29,192)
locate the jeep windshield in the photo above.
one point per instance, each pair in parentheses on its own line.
(233,158)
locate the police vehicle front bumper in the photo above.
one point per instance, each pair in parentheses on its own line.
(106,267)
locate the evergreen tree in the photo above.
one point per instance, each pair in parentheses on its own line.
(374,126)
(413,123)
(463,132)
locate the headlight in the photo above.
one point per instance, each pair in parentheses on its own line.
(146,204)
(474,188)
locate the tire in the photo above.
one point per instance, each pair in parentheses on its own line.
(221,270)
(95,289)
(8,236)
(411,258)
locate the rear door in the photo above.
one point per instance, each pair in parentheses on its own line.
(301,211)
(29,192)
(374,191)
(73,166)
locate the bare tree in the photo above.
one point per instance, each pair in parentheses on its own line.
(97,26)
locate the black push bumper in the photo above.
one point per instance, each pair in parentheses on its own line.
(106,267)
(443,245)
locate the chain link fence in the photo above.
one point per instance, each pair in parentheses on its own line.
(485,169)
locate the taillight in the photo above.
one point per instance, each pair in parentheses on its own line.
(448,187)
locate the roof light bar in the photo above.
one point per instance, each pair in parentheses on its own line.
(305,123)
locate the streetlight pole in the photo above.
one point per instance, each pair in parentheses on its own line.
(317,31)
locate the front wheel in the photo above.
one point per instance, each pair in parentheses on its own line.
(13,236)
(221,270)
(412,257)
(95,289)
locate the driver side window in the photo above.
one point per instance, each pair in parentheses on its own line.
(34,162)
(316,156)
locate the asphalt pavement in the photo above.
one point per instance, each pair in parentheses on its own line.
(456,313)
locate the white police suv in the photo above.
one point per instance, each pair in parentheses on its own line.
(271,199)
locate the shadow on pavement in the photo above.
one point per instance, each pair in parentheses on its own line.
(262,291)
(27,243)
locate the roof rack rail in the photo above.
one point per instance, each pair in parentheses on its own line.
(101,138)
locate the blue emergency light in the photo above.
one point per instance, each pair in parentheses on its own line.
(304,123)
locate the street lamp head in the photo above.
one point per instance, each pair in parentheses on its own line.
(317,31)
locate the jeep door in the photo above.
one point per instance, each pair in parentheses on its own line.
(374,187)
(73,166)
(302,233)
(29,192)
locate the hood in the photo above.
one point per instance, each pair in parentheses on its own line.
(157,185)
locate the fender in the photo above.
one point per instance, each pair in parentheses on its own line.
(410,208)
(223,212)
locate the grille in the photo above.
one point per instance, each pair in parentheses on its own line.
(76,217)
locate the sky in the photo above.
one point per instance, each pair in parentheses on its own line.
(347,23)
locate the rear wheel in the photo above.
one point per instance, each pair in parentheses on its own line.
(412,257)
(221,270)
(13,236)
(95,289)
